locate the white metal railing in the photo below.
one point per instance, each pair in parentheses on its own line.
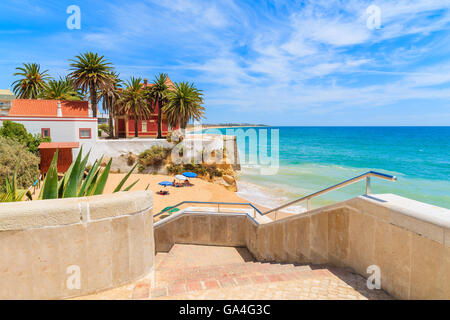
(308,198)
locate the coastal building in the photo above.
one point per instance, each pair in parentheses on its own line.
(6,98)
(147,126)
(69,124)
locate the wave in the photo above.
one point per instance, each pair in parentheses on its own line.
(266,197)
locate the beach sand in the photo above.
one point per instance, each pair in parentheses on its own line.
(201,191)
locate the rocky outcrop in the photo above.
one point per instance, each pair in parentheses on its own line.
(229,182)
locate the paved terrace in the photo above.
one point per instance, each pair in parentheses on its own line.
(212,272)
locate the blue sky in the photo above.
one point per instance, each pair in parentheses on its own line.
(275,62)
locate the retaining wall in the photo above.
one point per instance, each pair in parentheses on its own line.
(45,245)
(408,240)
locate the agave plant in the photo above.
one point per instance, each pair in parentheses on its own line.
(13,194)
(74,184)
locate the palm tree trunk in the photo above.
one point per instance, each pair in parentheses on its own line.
(135,124)
(93,95)
(183,124)
(111,114)
(159,119)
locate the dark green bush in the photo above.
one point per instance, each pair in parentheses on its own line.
(175,168)
(154,156)
(13,153)
(199,169)
(17,132)
(104,127)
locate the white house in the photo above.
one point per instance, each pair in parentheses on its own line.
(62,121)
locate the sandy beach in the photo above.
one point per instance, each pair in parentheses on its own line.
(201,191)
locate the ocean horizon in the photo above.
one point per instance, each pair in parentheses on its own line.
(315,157)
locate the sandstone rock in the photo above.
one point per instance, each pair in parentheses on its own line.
(104,162)
(177,136)
(231,188)
(229,179)
(131,159)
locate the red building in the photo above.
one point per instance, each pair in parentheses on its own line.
(147,127)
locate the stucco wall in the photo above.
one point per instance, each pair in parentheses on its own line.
(109,238)
(198,228)
(115,148)
(193,146)
(409,241)
(61,129)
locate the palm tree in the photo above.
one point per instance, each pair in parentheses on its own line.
(32,82)
(158,93)
(110,95)
(91,72)
(62,89)
(133,99)
(184,104)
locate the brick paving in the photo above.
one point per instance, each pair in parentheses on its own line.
(209,272)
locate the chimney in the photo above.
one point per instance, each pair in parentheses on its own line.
(59,111)
(145,81)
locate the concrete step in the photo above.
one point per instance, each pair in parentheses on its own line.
(249,268)
(159,258)
(182,286)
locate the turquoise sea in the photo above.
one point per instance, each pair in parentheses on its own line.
(312,158)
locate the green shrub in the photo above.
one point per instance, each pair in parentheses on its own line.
(13,193)
(17,132)
(214,172)
(13,153)
(175,168)
(169,137)
(199,169)
(74,182)
(154,156)
(104,127)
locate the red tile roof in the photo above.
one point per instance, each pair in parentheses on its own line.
(48,108)
(59,145)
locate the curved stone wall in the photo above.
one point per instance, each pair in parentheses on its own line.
(51,249)
(408,241)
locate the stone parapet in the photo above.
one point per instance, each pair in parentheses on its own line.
(53,249)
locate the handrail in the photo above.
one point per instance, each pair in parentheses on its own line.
(208,202)
(366,176)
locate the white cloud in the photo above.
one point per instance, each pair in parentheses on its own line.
(316,55)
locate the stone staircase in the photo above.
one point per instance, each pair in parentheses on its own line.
(189,280)
(221,273)
(207,272)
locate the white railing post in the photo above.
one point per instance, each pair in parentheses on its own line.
(368,185)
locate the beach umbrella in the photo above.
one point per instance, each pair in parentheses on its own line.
(180,177)
(165,183)
(189,174)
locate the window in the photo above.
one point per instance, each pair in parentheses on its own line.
(85,133)
(144,126)
(45,132)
